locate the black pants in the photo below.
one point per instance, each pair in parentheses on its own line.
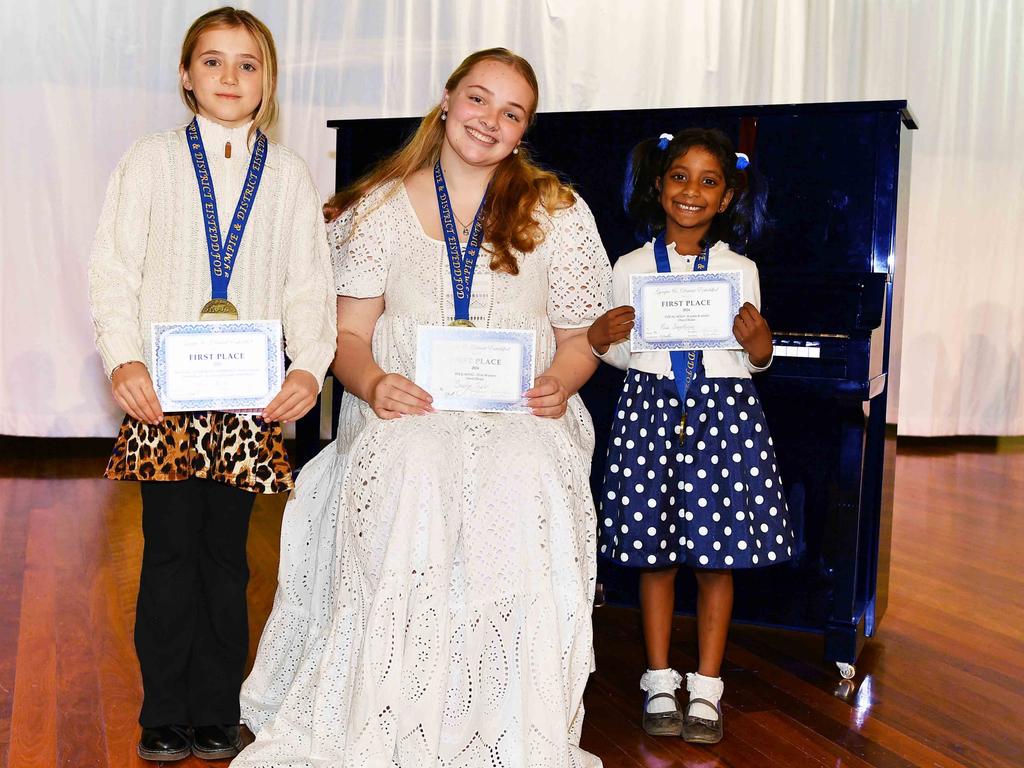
(191,626)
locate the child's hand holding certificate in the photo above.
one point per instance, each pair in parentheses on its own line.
(217,365)
(685,310)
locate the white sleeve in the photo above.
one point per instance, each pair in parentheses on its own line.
(309,313)
(117,258)
(360,250)
(579,274)
(618,355)
(752,293)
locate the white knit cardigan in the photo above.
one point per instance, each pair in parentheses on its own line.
(149,259)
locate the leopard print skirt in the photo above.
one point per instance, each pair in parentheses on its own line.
(240,450)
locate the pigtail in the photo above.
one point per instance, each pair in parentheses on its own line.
(640,195)
(759,219)
(746,219)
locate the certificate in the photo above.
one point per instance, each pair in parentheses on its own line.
(685,310)
(475,369)
(217,366)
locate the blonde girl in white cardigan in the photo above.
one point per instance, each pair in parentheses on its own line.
(200,471)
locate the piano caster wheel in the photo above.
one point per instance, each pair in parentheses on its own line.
(845,690)
(846,671)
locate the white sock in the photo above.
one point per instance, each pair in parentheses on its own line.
(708,688)
(656,681)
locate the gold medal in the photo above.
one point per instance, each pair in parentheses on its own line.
(461,324)
(218,309)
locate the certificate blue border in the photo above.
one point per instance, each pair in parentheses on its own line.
(427,335)
(272,336)
(637,343)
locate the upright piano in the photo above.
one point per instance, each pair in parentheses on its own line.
(831,265)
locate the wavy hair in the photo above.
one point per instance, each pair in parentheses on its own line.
(517,187)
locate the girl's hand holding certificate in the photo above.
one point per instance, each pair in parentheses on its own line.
(753,334)
(749,327)
(298,394)
(610,328)
(133,390)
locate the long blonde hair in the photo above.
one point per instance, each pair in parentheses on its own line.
(517,186)
(266,113)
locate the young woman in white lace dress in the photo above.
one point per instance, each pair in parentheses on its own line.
(437,568)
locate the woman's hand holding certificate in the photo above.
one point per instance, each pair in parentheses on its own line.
(548,397)
(475,369)
(393,395)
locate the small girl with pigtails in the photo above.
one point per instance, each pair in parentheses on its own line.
(691,476)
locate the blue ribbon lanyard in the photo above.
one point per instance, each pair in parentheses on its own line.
(684,364)
(223,251)
(461,263)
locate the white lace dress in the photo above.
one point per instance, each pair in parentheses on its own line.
(437,572)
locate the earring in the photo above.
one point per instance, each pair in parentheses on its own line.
(444,115)
(515,150)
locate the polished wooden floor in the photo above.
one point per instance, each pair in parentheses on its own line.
(941,685)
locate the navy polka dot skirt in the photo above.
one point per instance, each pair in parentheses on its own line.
(712,501)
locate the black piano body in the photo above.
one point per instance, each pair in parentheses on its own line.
(831,265)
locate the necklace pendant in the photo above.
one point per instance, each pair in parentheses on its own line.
(465,231)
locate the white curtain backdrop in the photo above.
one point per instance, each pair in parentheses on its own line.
(80,81)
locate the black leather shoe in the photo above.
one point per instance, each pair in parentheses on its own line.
(165,744)
(700,730)
(216,742)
